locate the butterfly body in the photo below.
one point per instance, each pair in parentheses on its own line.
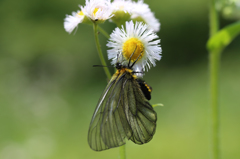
(123,112)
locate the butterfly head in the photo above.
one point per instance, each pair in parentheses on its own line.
(119,65)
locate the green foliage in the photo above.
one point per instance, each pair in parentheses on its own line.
(223,37)
(158,104)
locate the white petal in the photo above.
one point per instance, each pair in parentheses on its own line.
(140,9)
(72,21)
(104,9)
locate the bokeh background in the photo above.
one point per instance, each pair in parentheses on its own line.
(49,89)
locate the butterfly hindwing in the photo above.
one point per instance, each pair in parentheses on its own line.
(141,116)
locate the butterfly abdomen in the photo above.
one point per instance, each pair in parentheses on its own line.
(146,89)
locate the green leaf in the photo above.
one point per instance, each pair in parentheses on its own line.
(223,37)
(158,104)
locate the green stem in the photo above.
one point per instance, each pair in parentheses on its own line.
(213,18)
(214,60)
(122,152)
(107,72)
(214,80)
(103,32)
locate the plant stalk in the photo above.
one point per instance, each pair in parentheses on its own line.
(213,19)
(214,63)
(103,32)
(122,152)
(215,123)
(106,70)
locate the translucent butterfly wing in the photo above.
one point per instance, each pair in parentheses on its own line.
(115,127)
(122,112)
(94,136)
(104,131)
(141,116)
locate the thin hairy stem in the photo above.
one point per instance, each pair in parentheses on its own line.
(215,123)
(103,32)
(214,63)
(107,72)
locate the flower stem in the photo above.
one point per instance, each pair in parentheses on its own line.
(214,60)
(107,72)
(214,78)
(213,19)
(103,32)
(122,152)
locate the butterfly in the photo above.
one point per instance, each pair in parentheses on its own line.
(123,111)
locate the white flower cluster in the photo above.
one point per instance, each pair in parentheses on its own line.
(102,10)
(134,40)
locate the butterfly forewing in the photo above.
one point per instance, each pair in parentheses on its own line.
(115,127)
(94,137)
(109,126)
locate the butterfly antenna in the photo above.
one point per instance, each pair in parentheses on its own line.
(118,56)
(136,60)
(131,56)
(101,66)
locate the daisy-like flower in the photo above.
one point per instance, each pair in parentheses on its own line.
(122,5)
(94,10)
(121,10)
(72,21)
(98,10)
(141,12)
(135,42)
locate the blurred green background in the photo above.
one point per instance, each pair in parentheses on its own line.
(49,89)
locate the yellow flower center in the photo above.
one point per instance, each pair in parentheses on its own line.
(95,11)
(80,13)
(135,47)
